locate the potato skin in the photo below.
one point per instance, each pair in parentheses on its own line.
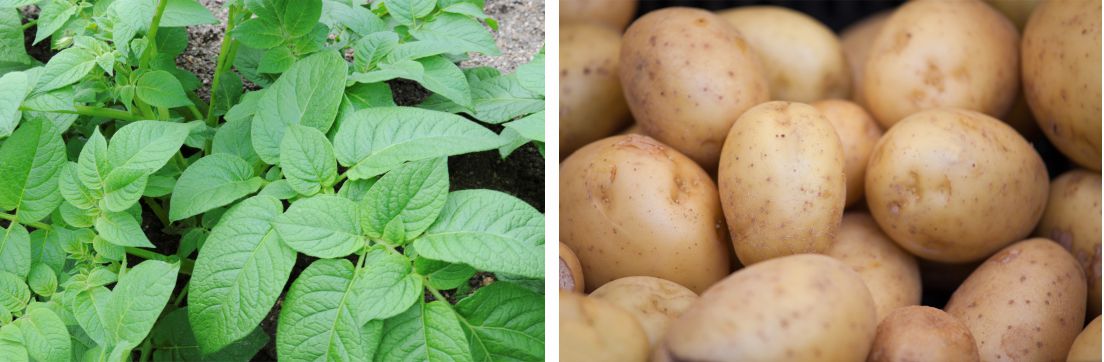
(614,14)
(781,181)
(858,133)
(1072,218)
(1025,303)
(804,307)
(802,58)
(595,330)
(1087,345)
(890,273)
(954,186)
(630,206)
(1061,76)
(920,333)
(571,272)
(934,53)
(592,105)
(687,76)
(856,40)
(654,302)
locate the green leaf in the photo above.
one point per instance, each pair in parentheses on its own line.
(385,287)
(50,103)
(141,148)
(131,16)
(92,164)
(212,181)
(64,68)
(442,275)
(240,272)
(370,95)
(488,230)
(138,299)
(357,18)
(444,78)
(127,195)
(414,192)
(228,94)
(408,69)
(373,141)
(161,89)
(233,138)
(316,323)
(185,13)
(42,280)
(531,75)
(11,96)
(279,189)
(89,309)
(407,11)
(11,343)
(30,162)
(15,250)
(356,189)
(307,94)
(504,322)
(425,332)
(120,228)
(159,186)
(307,159)
(472,10)
(323,226)
(174,339)
(13,56)
(296,17)
(46,247)
(73,190)
(276,60)
(369,50)
(51,17)
(77,217)
(530,127)
(463,33)
(14,293)
(501,99)
(260,33)
(44,335)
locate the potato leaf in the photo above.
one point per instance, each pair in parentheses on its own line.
(213,181)
(316,322)
(504,322)
(161,89)
(15,251)
(414,193)
(322,226)
(31,162)
(137,299)
(308,160)
(307,94)
(425,332)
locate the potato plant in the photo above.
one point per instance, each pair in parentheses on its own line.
(312,202)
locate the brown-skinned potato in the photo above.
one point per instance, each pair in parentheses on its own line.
(596,330)
(653,301)
(591,103)
(571,272)
(858,133)
(1072,218)
(1087,345)
(890,273)
(920,333)
(856,40)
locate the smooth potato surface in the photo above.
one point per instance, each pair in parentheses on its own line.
(687,76)
(858,133)
(781,180)
(955,186)
(803,59)
(920,333)
(615,14)
(592,105)
(1061,76)
(796,308)
(856,40)
(571,271)
(934,53)
(595,330)
(654,302)
(1025,303)
(1072,218)
(631,206)
(890,273)
(1087,345)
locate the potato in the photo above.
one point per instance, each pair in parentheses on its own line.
(858,133)
(1061,76)
(654,302)
(890,273)
(631,206)
(918,333)
(934,53)
(804,307)
(571,272)
(687,76)
(1016,10)
(802,58)
(955,186)
(591,103)
(856,40)
(1087,345)
(595,330)
(614,14)
(1025,303)
(1072,218)
(782,182)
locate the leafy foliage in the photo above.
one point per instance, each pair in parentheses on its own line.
(315,192)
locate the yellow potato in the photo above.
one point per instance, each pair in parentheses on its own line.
(802,58)
(934,53)
(614,14)
(856,40)
(858,133)
(687,76)
(595,330)
(1061,76)
(632,206)
(592,105)
(955,186)
(795,308)
(1025,303)
(890,273)
(1072,218)
(781,181)
(918,333)
(654,302)
(571,272)
(1087,345)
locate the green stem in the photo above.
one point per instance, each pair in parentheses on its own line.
(29,24)
(151,49)
(226,53)
(147,112)
(180,161)
(157,210)
(162,114)
(185,264)
(341,177)
(183,293)
(92,112)
(195,111)
(34,224)
(436,293)
(146,348)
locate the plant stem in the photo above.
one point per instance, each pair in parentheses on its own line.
(436,293)
(151,49)
(34,224)
(226,56)
(91,111)
(185,264)
(29,24)
(157,210)
(195,111)
(183,293)
(146,347)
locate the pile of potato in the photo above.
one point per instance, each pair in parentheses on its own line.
(789,194)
